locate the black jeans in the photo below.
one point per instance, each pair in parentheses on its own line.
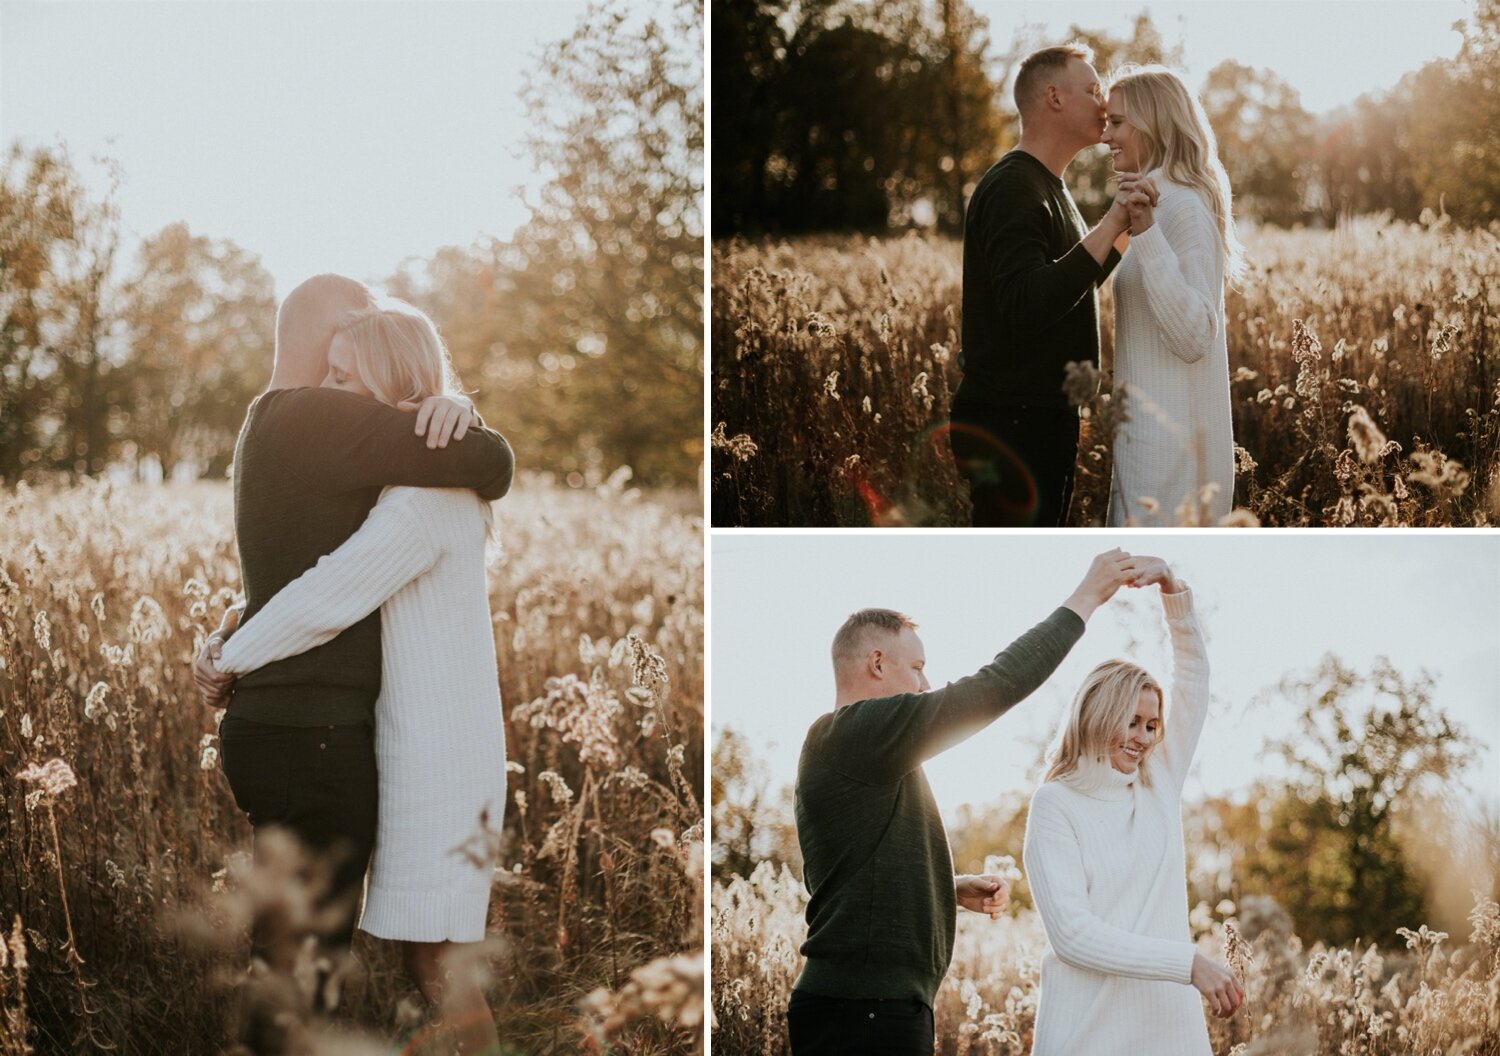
(1018,462)
(319,783)
(842,1026)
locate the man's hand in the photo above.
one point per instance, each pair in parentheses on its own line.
(982,894)
(1154,571)
(442,418)
(1108,573)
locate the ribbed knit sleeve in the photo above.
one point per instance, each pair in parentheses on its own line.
(389,550)
(1054,870)
(1189,700)
(880,740)
(1182,267)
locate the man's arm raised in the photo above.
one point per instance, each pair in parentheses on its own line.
(891,736)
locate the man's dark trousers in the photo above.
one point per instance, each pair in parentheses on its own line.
(1018,462)
(840,1026)
(319,784)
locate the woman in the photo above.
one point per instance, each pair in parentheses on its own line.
(439,731)
(1174,456)
(1104,858)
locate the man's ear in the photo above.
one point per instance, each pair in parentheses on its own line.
(873,663)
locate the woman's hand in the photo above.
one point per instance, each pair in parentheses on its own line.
(442,418)
(1138,196)
(1151,571)
(1218,986)
(1108,573)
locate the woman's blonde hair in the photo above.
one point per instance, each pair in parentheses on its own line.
(398,353)
(1103,708)
(1176,137)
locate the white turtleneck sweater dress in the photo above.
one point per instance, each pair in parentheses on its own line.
(1173,363)
(439,730)
(1104,859)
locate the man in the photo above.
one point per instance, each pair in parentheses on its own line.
(880,920)
(1030,305)
(297,739)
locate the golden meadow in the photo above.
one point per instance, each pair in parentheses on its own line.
(123,864)
(1365,381)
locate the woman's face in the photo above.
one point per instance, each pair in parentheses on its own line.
(1120,136)
(341,372)
(1128,748)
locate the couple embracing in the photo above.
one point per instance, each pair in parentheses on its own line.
(363,712)
(1103,849)
(1032,269)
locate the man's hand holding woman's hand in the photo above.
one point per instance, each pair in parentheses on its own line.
(442,418)
(1136,197)
(982,894)
(1151,571)
(1107,574)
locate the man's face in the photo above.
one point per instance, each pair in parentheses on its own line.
(1083,101)
(903,663)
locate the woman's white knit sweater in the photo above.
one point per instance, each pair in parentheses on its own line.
(1104,859)
(1172,362)
(439,730)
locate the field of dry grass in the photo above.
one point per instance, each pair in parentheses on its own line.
(1365,368)
(119,827)
(1438,994)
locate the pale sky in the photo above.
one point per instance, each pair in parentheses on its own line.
(1271,603)
(1331,51)
(322,136)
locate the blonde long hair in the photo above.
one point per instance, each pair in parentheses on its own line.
(1176,137)
(398,353)
(1103,708)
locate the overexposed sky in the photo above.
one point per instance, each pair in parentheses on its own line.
(322,136)
(1331,51)
(1271,603)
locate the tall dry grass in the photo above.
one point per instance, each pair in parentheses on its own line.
(1365,368)
(118,824)
(1436,994)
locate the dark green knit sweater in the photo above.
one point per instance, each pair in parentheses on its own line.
(1030,288)
(308,468)
(875,855)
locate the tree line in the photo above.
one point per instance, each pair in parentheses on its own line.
(581,335)
(844,115)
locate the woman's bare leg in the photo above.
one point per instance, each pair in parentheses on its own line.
(449,974)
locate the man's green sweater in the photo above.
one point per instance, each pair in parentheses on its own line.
(308,468)
(875,855)
(1030,287)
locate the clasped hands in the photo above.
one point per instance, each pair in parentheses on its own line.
(1134,206)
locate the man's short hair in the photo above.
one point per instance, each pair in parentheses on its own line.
(851,643)
(1040,65)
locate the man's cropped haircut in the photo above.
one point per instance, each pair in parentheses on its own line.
(1037,67)
(850,644)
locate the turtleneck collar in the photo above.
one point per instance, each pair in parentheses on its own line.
(1097,779)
